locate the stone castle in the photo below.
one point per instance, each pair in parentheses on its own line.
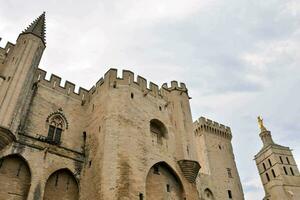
(119,140)
(277,168)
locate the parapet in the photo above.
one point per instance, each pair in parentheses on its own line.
(110,79)
(4,51)
(139,82)
(207,125)
(175,86)
(55,83)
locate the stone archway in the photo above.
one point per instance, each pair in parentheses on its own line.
(61,185)
(15,178)
(162,183)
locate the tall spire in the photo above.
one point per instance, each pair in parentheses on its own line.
(37,27)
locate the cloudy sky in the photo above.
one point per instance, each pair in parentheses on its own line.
(239,58)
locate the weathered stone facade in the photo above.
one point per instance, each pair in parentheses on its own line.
(277,169)
(119,140)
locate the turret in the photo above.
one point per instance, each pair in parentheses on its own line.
(19,67)
(219,177)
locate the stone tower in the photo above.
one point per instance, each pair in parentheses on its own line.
(277,168)
(219,176)
(18,66)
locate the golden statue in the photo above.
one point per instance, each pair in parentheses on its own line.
(261,123)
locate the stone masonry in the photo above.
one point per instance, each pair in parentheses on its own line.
(119,140)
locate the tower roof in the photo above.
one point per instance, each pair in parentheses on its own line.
(37,27)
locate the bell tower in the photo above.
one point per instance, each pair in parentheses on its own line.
(277,168)
(17,71)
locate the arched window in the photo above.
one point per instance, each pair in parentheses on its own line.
(208,195)
(158,129)
(57,123)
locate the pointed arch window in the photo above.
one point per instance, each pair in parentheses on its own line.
(57,123)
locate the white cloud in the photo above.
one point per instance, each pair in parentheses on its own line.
(239,58)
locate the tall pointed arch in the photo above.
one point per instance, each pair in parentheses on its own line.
(15,177)
(162,182)
(61,185)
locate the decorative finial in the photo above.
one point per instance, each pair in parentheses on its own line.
(261,124)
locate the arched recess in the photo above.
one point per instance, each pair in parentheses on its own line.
(158,130)
(15,178)
(208,195)
(61,185)
(163,183)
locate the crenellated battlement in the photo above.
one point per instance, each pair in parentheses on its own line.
(110,79)
(4,51)
(207,125)
(55,82)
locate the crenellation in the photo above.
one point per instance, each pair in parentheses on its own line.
(100,82)
(8,46)
(128,76)
(142,82)
(154,89)
(175,86)
(205,124)
(70,87)
(4,51)
(110,76)
(55,83)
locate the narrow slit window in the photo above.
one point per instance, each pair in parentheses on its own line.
(168,188)
(285,171)
(264,166)
(141,195)
(281,159)
(270,162)
(229,173)
(268,178)
(229,194)
(273,173)
(287,159)
(292,171)
(1,163)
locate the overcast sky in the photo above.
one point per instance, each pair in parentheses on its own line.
(239,58)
